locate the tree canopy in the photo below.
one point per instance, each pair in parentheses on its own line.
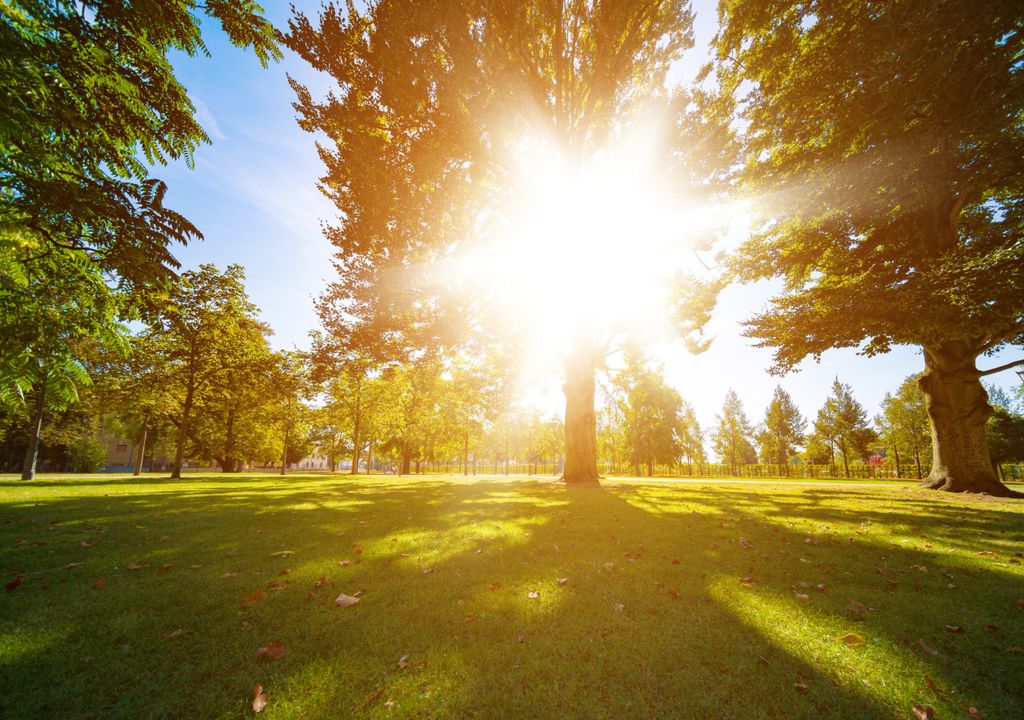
(883,142)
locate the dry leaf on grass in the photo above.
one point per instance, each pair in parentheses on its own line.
(228,575)
(923,712)
(321,581)
(14,584)
(73,565)
(563,581)
(85,544)
(99,584)
(271,651)
(800,687)
(852,638)
(403,662)
(254,597)
(533,595)
(344,600)
(801,597)
(956,629)
(259,698)
(344,563)
(748,581)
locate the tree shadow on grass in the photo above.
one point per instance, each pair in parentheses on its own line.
(653,620)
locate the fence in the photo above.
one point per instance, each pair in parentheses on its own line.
(1010,472)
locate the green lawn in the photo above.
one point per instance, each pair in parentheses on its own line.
(680,600)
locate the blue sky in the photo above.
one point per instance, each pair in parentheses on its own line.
(253,195)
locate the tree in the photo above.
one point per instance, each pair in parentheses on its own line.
(651,411)
(1006,437)
(732,438)
(429,103)
(207,332)
(842,422)
(903,423)
(883,142)
(782,430)
(85,239)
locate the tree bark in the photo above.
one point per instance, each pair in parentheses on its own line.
(896,451)
(28,467)
(142,450)
(580,419)
(958,410)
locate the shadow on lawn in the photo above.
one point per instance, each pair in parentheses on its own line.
(632,633)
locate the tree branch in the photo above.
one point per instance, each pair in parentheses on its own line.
(999,369)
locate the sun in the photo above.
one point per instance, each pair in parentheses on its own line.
(590,241)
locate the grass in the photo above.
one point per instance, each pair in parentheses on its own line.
(653,620)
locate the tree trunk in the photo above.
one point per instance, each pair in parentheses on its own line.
(958,410)
(406,460)
(846,462)
(580,420)
(179,450)
(896,451)
(28,467)
(917,461)
(369,455)
(142,450)
(355,445)
(465,454)
(284,453)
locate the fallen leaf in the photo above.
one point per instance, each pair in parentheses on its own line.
(923,712)
(533,595)
(954,629)
(372,699)
(99,584)
(403,662)
(344,563)
(72,565)
(748,581)
(675,562)
(282,553)
(427,571)
(801,597)
(86,544)
(931,685)
(133,566)
(171,635)
(166,566)
(521,639)
(14,584)
(470,619)
(673,593)
(259,698)
(254,597)
(195,566)
(494,585)
(228,575)
(619,607)
(563,581)
(852,638)
(1015,649)
(986,553)
(272,650)
(320,581)
(821,587)
(358,551)
(972,712)
(800,687)
(404,555)
(344,600)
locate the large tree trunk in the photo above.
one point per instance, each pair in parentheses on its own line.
(958,409)
(140,462)
(28,467)
(580,419)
